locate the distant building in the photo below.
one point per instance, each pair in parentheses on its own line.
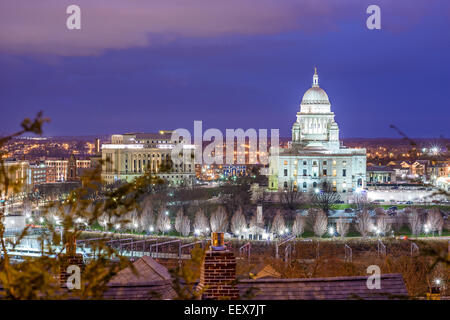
(315,154)
(37,174)
(230,170)
(60,172)
(131,155)
(380,174)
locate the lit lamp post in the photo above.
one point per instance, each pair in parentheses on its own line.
(167,228)
(426,229)
(435,290)
(331,231)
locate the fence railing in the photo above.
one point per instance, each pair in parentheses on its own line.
(381,248)
(414,249)
(278,244)
(245,250)
(348,253)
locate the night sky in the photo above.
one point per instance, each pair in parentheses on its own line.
(161,64)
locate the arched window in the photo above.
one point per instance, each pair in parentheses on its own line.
(285,184)
(315,184)
(304,185)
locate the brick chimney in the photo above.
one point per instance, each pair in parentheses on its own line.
(218,272)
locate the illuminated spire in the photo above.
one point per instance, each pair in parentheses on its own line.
(315,78)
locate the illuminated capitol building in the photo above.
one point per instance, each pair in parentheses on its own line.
(130,155)
(315,153)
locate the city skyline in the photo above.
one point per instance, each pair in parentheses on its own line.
(166,73)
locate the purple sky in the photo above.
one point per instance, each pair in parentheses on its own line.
(146,65)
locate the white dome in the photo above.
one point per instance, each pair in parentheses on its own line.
(315,95)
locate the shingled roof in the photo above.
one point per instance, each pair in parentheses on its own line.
(338,288)
(147,270)
(152,281)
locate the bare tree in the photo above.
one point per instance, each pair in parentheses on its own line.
(219,220)
(238,222)
(400,220)
(364,222)
(379,211)
(360,201)
(201,225)
(435,221)
(147,219)
(342,227)
(133,220)
(278,225)
(179,220)
(383,224)
(163,221)
(415,222)
(320,224)
(325,198)
(299,225)
(185,227)
(290,197)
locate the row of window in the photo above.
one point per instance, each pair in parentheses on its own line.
(162,155)
(324,173)
(315,162)
(314,185)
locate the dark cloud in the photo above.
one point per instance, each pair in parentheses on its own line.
(230,69)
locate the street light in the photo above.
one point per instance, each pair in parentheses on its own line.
(331,231)
(316,190)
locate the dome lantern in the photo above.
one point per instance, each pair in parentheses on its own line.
(315,78)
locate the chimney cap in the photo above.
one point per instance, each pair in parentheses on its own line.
(217,241)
